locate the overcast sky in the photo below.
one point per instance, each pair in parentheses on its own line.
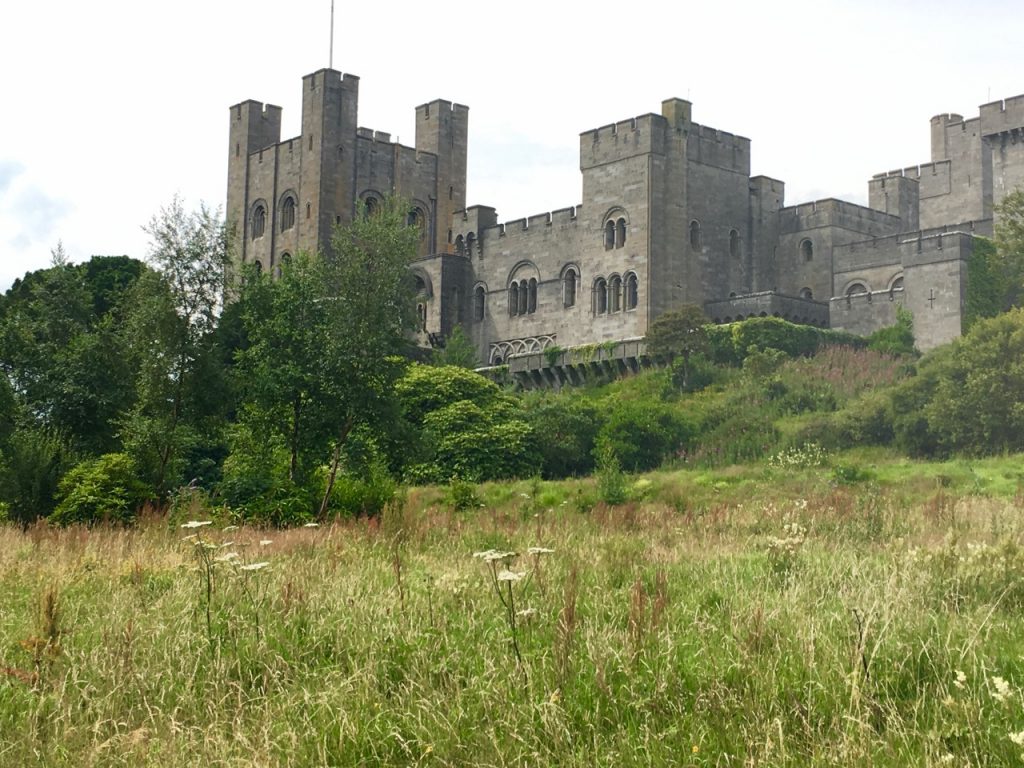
(111,108)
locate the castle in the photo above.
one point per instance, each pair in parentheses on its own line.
(670,215)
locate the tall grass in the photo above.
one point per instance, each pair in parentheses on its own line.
(839,627)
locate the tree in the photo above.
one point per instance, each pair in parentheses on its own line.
(458,350)
(679,333)
(324,339)
(1009,257)
(171,333)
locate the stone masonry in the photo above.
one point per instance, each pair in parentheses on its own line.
(670,215)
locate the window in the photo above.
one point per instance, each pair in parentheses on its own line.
(513,299)
(807,250)
(524,297)
(695,235)
(609,235)
(259,220)
(421,315)
(632,291)
(856,288)
(569,279)
(470,243)
(531,296)
(614,233)
(734,244)
(620,233)
(370,206)
(288,213)
(806,293)
(600,296)
(479,303)
(309,210)
(614,293)
(460,245)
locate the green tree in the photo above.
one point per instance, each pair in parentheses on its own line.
(1009,261)
(324,340)
(678,334)
(458,350)
(897,339)
(170,329)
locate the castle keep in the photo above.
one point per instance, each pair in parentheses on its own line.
(670,215)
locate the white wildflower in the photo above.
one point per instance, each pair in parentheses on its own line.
(311,525)
(961,679)
(1002,689)
(1017,738)
(227,557)
(540,551)
(196,523)
(526,613)
(227,528)
(507,575)
(265,542)
(254,566)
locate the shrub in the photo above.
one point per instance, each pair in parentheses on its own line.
(105,489)
(611,482)
(642,434)
(31,466)
(897,339)
(366,494)
(425,389)
(771,332)
(564,430)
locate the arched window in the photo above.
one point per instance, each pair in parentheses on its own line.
(470,243)
(288,213)
(370,206)
(531,301)
(695,235)
(309,210)
(806,293)
(524,297)
(569,279)
(734,243)
(479,303)
(259,220)
(259,266)
(856,288)
(421,315)
(460,245)
(600,296)
(632,291)
(609,235)
(620,233)
(897,285)
(807,249)
(513,299)
(614,293)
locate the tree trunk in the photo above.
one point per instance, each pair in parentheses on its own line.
(335,462)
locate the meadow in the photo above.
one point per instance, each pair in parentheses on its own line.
(750,616)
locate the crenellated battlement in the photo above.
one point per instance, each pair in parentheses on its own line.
(916,171)
(626,138)
(540,222)
(1002,116)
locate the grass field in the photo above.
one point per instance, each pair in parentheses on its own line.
(750,617)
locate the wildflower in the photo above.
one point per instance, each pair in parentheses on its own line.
(1002,689)
(1017,738)
(961,679)
(196,523)
(494,556)
(311,525)
(227,528)
(254,566)
(525,495)
(227,557)
(540,551)
(507,575)
(555,697)
(695,749)
(265,542)
(527,612)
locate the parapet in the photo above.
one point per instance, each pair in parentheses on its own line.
(1002,116)
(626,138)
(258,123)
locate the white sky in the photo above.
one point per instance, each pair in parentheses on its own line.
(110,108)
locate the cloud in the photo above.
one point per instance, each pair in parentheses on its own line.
(9,170)
(33,214)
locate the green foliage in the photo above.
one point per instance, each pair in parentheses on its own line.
(986,293)
(897,339)
(365,494)
(458,351)
(467,442)
(564,429)
(641,434)
(462,495)
(773,333)
(678,335)
(1009,261)
(612,486)
(424,389)
(105,489)
(31,465)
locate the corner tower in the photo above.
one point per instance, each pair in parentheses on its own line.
(442,129)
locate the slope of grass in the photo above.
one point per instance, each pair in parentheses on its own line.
(749,616)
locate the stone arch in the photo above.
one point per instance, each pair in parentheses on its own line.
(370,201)
(422,284)
(895,285)
(807,249)
(287,204)
(856,287)
(614,293)
(616,225)
(631,289)
(460,245)
(471,244)
(570,279)
(806,293)
(479,301)
(258,219)
(600,292)
(695,235)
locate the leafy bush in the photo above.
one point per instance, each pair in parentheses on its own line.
(771,332)
(31,466)
(611,482)
(462,495)
(564,432)
(897,339)
(367,494)
(642,434)
(105,489)
(425,389)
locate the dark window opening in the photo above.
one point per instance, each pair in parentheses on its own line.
(288,214)
(569,288)
(807,250)
(632,291)
(734,243)
(695,241)
(479,303)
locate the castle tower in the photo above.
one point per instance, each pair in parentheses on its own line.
(442,128)
(253,128)
(330,104)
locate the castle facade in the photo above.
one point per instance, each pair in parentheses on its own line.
(670,215)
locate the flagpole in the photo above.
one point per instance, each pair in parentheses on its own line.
(330,61)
